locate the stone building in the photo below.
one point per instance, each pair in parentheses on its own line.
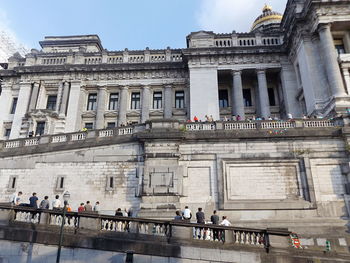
(260,173)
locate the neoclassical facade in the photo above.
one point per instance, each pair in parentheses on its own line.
(295,64)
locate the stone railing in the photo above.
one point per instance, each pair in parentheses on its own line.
(189,127)
(171,230)
(70,137)
(252,125)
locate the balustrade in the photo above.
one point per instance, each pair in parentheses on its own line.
(278,125)
(31,142)
(318,124)
(70,220)
(78,136)
(106,133)
(12,144)
(27,216)
(201,127)
(240,126)
(59,138)
(125,131)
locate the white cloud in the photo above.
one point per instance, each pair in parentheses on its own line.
(224,16)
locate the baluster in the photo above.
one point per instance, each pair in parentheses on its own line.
(242,237)
(238,237)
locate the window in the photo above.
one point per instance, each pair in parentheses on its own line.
(92,101)
(272,99)
(223,98)
(339,46)
(179,99)
(40,128)
(113,101)
(89,125)
(14,105)
(60,183)
(247,97)
(110,125)
(110,183)
(157,100)
(51,102)
(7,132)
(135,100)
(13,183)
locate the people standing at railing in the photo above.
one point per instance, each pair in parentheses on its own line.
(56,204)
(15,198)
(178,216)
(45,204)
(97,207)
(88,207)
(33,201)
(119,212)
(200,220)
(81,208)
(187,214)
(234,118)
(225,222)
(215,221)
(195,119)
(239,118)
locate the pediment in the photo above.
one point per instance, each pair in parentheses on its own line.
(202,34)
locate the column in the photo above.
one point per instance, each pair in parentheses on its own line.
(101,107)
(346,79)
(34,97)
(6,101)
(21,110)
(330,60)
(263,94)
(123,104)
(73,119)
(168,102)
(237,95)
(65,97)
(59,97)
(146,97)
(290,90)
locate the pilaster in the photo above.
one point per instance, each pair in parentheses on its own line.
(21,110)
(73,120)
(59,97)
(168,102)
(346,78)
(123,105)
(101,107)
(65,96)
(145,106)
(34,97)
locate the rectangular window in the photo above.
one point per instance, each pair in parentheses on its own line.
(272,98)
(89,125)
(179,99)
(92,101)
(339,46)
(60,183)
(157,100)
(51,102)
(110,125)
(223,98)
(7,132)
(13,183)
(247,97)
(135,100)
(110,183)
(14,105)
(113,101)
(40,128)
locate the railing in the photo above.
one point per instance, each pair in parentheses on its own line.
(59,138)
(171,230)
(200,127)
(78,136)
(31,142)
(190,127)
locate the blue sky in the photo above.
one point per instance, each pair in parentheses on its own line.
(134,24)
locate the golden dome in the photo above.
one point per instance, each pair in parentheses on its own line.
(267,17)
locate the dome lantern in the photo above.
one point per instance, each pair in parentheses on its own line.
(267,18)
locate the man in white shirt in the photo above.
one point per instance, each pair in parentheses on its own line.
(187,214)
(56,204)
(225,222)
(15,198)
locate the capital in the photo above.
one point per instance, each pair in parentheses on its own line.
(236,72)
(322,27)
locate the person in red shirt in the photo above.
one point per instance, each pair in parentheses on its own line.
(81,208)
(195,119)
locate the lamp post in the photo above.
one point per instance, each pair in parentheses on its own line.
(66,197)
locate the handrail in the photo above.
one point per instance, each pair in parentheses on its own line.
(277,232)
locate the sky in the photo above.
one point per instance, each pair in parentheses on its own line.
(132,24)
